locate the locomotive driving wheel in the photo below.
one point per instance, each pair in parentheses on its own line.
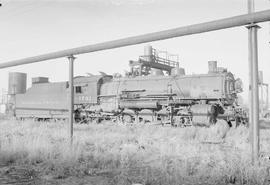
(127,118)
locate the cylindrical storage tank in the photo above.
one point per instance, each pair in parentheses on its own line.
(16,83)
(148,52)
(260,77)
(212,66)
(178,71)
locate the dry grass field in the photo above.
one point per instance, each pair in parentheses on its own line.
(40,153)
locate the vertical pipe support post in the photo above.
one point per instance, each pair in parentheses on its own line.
(250,92)
(254,91)
(71,59)
(253,81)
(250,9)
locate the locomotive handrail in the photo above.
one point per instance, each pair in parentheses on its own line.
(230,22)
(159,60)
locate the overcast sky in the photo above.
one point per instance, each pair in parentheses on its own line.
(31,27)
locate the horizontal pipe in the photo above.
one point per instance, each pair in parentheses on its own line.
(235,21)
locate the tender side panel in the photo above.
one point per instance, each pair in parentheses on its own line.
(40,99)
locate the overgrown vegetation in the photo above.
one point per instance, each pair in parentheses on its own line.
(128,154)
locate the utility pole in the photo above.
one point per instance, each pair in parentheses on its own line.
(71,97)
(253,88)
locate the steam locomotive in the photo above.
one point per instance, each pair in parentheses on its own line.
(155,89)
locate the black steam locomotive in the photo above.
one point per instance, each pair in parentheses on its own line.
(143,94)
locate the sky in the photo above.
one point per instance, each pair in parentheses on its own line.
(33,27)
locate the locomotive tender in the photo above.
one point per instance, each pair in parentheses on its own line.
(144,94)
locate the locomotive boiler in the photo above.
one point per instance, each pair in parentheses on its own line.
(155,89)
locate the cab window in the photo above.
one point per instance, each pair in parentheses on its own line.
(78,89)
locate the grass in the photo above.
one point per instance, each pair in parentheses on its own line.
(125,154)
